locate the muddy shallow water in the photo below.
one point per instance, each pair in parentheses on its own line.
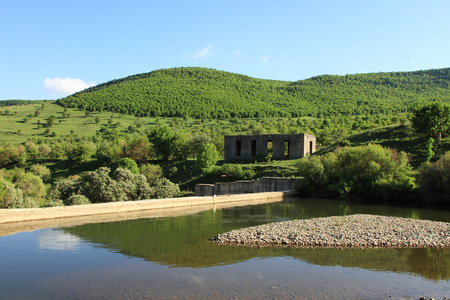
(172,258)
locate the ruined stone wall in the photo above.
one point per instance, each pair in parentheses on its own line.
(283,146)
(265,184)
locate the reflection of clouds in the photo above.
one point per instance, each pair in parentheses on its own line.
(57,240)
(194,279)
(200,280)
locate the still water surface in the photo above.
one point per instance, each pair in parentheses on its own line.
(172,258)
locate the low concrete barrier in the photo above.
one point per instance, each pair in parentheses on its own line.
(265,184)
(33,214)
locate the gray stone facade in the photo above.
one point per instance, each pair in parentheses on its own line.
(282,146)
(265,184)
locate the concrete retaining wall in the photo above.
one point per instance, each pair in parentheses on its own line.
(265,184)
(34,214)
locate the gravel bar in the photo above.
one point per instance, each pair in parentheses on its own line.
(353,231)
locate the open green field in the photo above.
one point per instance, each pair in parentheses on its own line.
(19,123)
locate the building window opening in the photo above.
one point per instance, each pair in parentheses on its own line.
(238,148)
(310,147)
(269,147)
(286,149)
(253,148)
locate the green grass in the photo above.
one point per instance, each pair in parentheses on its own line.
(13,129)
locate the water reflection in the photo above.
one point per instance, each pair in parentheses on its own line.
(183,241)
(56,240)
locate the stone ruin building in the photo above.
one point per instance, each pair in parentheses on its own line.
(281,146)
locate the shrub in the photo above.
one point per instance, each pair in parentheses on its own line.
(10,154)
(134,186)
(32,149)
(151,172)
(207,157)
(11,197)
(44,151)
(236,172)
(164,188)
(77,200)
(63,189)
(82,151)
(127,163)
(369,172)
(434,180)
(99,187)
(137,149)
(108,152)
(31,186)
(42,171)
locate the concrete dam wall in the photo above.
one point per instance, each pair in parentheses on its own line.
(265,184)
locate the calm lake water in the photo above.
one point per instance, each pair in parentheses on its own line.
(172,258)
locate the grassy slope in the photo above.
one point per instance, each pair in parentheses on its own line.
(13,129)
(183,172)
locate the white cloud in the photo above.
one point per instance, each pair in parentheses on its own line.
(57,240)
(265,58)
(236,54)
(65,86)
(202,53)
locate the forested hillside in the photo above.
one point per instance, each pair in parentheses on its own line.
(208,93)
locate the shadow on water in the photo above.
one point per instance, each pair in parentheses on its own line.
(183,241)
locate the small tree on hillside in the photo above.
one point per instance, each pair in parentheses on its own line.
(432,119)
(207,157)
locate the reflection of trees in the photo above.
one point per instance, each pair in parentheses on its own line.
(183,241)
(430,263)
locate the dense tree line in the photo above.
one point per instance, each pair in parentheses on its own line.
(206,93)
(14,102)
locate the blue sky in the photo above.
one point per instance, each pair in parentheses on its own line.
(49,49)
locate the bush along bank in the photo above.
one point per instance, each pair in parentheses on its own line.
(21,189)
(375,174)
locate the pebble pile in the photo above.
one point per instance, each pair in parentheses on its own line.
(354,231)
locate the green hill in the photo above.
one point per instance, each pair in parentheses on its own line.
(208,93)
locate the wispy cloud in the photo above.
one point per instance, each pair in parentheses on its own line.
(65,86)
(265,58)
(202,53)
(236,54)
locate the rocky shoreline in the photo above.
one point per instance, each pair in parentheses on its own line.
(354,231)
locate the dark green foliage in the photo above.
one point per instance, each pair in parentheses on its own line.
(162,138)
(15,102)
(51,121)
(99,187)
(432,119)
(151,172)
(435,180)
(82,151)
(164,188)
(429,150)
(138,149)
(134,186)
(19,189)
(10,154)
(32,187)
(235,172)
(207,157)
(367,172)
(42,171)
(181,146)
(77,200)
(127,163)
(206,93)
(63,189)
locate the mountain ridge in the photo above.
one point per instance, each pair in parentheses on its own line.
(209,93)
